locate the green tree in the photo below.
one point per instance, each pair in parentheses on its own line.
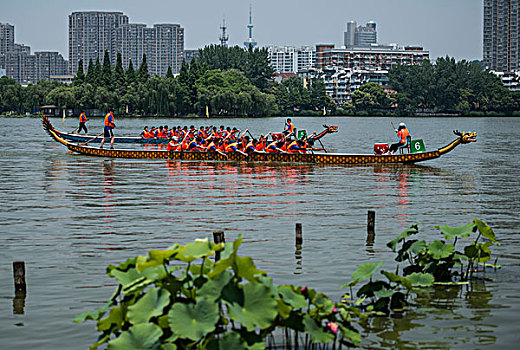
(119,79)
(80,75)
(142,73)
(130,74)
(106,72)
(371,96)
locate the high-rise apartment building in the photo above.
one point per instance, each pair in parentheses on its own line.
(92,33)
(6,38)
(169,49)
(289,59)
(48,64)
(360,35)
(501,46)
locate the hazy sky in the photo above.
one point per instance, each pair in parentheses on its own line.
(445,27)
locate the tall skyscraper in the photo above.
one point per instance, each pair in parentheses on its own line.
(250,42)
(360,35)
(92,33)
(6,38)
(501,46)
(169,49)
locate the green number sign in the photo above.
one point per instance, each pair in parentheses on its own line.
(301,134)
(417,146)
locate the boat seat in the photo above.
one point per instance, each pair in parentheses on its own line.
(406,145)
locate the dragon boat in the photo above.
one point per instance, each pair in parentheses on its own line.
(309,158)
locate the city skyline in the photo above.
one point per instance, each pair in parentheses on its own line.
(443,27)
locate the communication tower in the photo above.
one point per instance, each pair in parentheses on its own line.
(250,42)
(224,37)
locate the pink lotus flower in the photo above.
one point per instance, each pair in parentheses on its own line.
(304,289)
(334,310)
(333,326)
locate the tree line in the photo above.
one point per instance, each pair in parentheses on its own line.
(227,81)
(445,86)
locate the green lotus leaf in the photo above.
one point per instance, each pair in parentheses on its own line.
(150,305)
(245,268)
(168,346)
(392,277)
(291,297)
(194,321)
(318,335)
(131,280)
(94,315)
(143,336)
(418,279)
(485,230)
(212,289)
(366,270)
(195,250)
(129,263)
(440,250)
(460,231)
(418,246)
(353,336)
(412,230)
(115,317)
(383,293)
(284,310)
(259,308)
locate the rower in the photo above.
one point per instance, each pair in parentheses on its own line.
(402,135)
(82,120)
(145,134)
(275,147)
(233,147)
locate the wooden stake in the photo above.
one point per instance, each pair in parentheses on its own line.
(371,222)
(299,234)
(218,237)
(19,276)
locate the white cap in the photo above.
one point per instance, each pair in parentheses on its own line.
(402,124)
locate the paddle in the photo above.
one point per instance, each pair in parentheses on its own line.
(95,137)
(393,126)
(74,130)
(322,146)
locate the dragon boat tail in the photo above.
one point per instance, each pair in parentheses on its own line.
(310,158)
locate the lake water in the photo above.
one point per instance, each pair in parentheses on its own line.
(68,216)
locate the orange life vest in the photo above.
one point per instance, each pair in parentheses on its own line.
(271,148)
(109,120)
(82,118)
(291,145)
(229,147)
(402,134)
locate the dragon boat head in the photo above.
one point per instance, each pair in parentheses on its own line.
(466,137)
(331,128)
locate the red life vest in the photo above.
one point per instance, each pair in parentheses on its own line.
(82,118)
(229,148)
(271,148)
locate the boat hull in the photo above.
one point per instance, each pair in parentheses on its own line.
(316,158)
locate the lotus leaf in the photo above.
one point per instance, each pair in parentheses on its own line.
(440,250)
(485,230)
(195,250)
(143,336)
(245,268)
(392,277)
(233,341)
(212,289)
(291,297)
(418,279)
(418,246)
(459,231)
(193,321)
(115,317)
(150,305)
(366,270)
(318,335)
(353,336)
(259,308)
(412,230)
(383,293)
(95,315)
(480,252)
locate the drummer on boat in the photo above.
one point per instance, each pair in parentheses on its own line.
(402,134)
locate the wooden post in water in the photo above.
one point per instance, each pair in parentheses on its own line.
(19,276)
(20,288)
(218,237)
(299,235)
(371,224)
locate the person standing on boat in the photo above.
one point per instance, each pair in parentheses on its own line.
(82,120)
(289,127)
(402,134)
(108,131)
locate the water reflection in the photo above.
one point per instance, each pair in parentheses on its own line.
(444,317)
